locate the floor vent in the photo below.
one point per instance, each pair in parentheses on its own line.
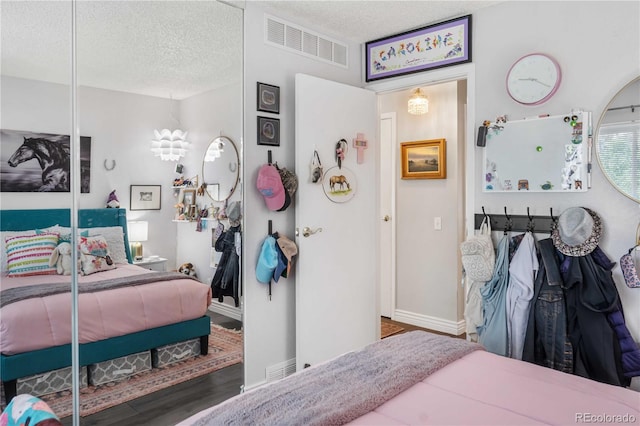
(281,370)
(296,39)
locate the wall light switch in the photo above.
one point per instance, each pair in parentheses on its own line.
(437,223)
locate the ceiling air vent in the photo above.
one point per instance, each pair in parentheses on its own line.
(296,39)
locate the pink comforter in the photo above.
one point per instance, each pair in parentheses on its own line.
(45,322)
(486,389)
(479,388)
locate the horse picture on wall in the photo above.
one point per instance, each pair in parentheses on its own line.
(40,162)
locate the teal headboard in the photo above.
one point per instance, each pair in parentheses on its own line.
(23,220)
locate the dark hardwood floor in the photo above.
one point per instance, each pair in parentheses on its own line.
(409,327)
(172,405)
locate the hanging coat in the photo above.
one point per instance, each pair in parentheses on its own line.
(591,295)
(492,334)
(522,272)
(546,341)
(226,279)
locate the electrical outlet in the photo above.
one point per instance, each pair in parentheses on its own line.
(437,223)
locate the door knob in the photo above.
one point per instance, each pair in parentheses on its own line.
(306,231)
(386,218)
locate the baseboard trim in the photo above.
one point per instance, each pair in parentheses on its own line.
(432,323)
(226,310)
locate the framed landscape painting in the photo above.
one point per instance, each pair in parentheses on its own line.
(424,159)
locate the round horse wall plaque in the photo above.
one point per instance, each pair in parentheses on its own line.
(339,184)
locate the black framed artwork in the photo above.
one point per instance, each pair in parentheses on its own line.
(41,162)
(145,197)
(268,98)
(268,131)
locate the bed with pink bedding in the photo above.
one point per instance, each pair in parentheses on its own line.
(121,311)
(101,314)
(423,378)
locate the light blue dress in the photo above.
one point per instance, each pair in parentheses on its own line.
(492,334)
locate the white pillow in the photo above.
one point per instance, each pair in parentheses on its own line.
(112,234)
(115,239)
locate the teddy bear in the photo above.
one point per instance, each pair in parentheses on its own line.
(61,257)
(187,269)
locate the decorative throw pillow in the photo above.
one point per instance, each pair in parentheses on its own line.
(29,254)
(94,255)
(115,239)
(113,234)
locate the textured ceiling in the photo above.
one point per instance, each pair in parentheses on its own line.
(171,49)
(361,21)
(176,49)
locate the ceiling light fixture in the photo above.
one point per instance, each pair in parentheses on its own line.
(168,145)
(418,103)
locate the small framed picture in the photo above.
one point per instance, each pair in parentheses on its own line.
(268,98)
(268,131)
(424,159)
(189,198)
(145,197)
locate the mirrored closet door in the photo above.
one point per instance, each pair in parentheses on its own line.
(142,69)
(36,89)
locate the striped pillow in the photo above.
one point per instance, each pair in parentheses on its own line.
(29,254)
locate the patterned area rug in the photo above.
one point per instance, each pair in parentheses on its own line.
(225,349)
(388,329)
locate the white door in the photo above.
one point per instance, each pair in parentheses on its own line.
(336,272)
(387,179)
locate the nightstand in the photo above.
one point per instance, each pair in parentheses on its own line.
(153,263)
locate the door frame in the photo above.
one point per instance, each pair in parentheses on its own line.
(443,75)
(387,207)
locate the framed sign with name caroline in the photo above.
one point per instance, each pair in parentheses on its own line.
(434,46)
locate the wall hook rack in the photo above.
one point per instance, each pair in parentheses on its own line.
(515,223)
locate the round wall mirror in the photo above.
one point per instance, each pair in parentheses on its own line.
(618,140)
(221,168)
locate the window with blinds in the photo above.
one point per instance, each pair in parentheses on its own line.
(619,155)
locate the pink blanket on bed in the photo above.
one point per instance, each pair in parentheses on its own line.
(45,322)
(486,389)
(479,388)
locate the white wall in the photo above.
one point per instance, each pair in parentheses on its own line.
(424,288)
(598,46)
(207,116)
(270,324)
(39,107)
(121,129)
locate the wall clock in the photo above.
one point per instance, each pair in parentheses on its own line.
(533,79)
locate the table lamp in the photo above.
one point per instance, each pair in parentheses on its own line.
(138,232)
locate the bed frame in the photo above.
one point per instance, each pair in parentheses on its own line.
(13,367)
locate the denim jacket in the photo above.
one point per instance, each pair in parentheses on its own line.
(546,341)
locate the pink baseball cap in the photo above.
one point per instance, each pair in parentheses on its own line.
(270,186)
